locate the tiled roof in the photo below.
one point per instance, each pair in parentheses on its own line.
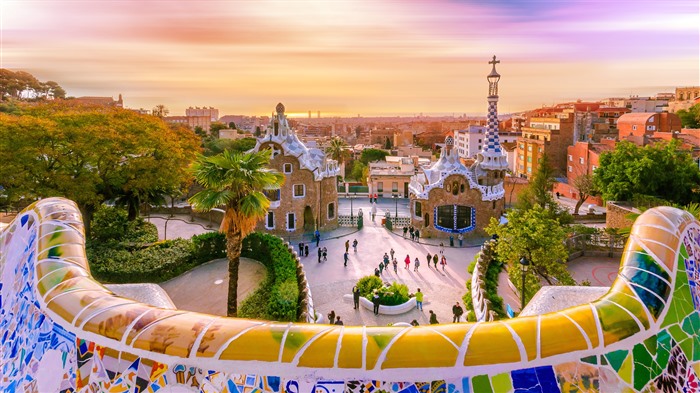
(634,118)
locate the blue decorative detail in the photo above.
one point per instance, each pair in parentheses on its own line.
(455,229)
(535,380)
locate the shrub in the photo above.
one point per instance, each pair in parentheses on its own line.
(111,225)
(209,246)
(368,284)
(393,295)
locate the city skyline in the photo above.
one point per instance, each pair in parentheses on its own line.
(347,58)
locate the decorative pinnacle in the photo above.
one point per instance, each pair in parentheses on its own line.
(494,61)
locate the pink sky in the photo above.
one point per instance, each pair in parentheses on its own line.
(353,57)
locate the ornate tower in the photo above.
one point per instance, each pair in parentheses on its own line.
(491,162)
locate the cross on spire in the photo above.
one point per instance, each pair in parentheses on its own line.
(494,61)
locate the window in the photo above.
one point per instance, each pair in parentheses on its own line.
(479,147)
(454,218)
(270,220)
(651,128)
(299,190)
(273,195)
(394,187)
(287,168)
(380,187)
(571,169)
(455,188)
(417,209)
(594,167)
(479,140)
(571,158)
(291,221)
(634,127)
(580,160)
(529,148)
(461,188)
(331,211)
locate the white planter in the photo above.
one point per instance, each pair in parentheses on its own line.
(388,310)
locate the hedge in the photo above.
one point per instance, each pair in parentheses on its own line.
(277,299)
(392,295)
(491,282)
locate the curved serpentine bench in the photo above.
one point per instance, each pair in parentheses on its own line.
(63,331)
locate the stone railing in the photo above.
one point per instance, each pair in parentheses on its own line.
(347,221)
(63,331)
(491,193)
(481,303)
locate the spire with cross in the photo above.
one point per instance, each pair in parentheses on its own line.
(494,157)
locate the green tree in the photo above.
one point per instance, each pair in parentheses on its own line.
(215,127)
(533,234)
(160,110)
(387,143)
(90,154)
(539,192)
(338,150)
(359,172)
(586,187)
(690,118)
(371,155)
(216,146)
(235,182)
(660,170)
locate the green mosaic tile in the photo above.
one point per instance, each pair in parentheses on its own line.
(481,383)
(625,371)
(603,360)
(684,253)
(687,347)
(677,333)
(616,358)
(590,359)
(642,369)
(650,344)
(502,383)
(691,324)
(664,348)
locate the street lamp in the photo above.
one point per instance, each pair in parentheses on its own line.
(396,205)
(350,198)
(524,265)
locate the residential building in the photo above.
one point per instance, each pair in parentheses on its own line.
(583,158)
(308,199)
(392,177)
(211,113)
(448,198)
(100,101)
(469,141)
(190,121)
(635,127)
(551,135)
(684,98)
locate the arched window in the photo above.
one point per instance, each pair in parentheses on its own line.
(461,188)
(455,188)
(418,209)
(426,219)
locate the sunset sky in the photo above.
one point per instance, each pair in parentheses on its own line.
(349,57)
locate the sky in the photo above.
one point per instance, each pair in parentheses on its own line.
(350,57)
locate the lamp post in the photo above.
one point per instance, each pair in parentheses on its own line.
(524,265)
(396,205)
(351,211)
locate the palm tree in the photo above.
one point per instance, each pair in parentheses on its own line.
(235,181)
(338,151)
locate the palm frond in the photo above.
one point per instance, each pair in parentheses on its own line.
(208,199)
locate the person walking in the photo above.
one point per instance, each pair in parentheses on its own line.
(354,245)
(375,302)
(345,259)
(325,254)
(435,260)
(391,252)
(396,266)
(405,230)
(306,249)
(375,198)
(461,239)
(377,272)
(410,231)
(301,249)
(429,258)
(407,261)
(386,259)
(381,268)
(419,299)
(320,254)
(456,312)
(338,321)
(416,263)
(433,318)
(443,262)
(356,297)
(347,246)
(417,235)
(442,248)
(317,234)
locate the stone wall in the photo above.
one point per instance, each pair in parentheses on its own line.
(616,215)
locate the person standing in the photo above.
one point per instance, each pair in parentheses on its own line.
(306,249)
(407,261)
(345,259)
(396,266)
(386,259)
(377,272)
(391,253)
(461,239)
(429,258)
(442,249)
(419,299)
(331,316)
(456,312)
(356,297)
(354,245)
(301,249)
(405,230)
(317,234)
(338,321)
(410,231)
(443,262)
(325,254)
(375,198)
(435,260)
(417,235)
(347,246)
(433,318)
(416,263)
(320,254)
(381,268)
(375,302)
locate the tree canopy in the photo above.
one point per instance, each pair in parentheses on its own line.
(539,192)
(690,118)
(216,146)
(90,154)
(22,85)
(371,155)
(660,170)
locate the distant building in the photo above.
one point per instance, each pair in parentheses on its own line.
(635,127)
(448,198)
(101,101)
(468,142)
(549,135)
(392,177)
(684,98)
(308,199)
(583,158)
(190,121)
(211,113)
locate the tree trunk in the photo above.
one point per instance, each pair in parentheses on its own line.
(133,209)
(87,213)
(233,252)
(579,203)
